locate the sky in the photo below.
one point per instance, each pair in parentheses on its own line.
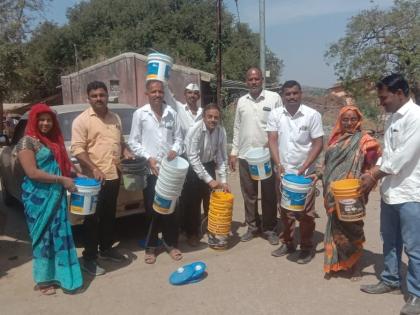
(297,31)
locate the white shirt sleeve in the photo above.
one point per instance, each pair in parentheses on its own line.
(236,130)
(192,142)
(178,137)
(221,156)
(169,98)
(316,127)
(272,122)
(395,160)
(135,138)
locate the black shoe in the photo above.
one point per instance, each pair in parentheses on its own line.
(283,250)
(272,238)
(412,306)
(112,254)
(379,288)
(248,235)
(305,256)
(92,267)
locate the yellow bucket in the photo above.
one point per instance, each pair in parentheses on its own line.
(220,213)
(348,201)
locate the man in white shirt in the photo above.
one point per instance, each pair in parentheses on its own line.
(295,137)
(399,172)
(251,116)
(188,113)
(156,133)
(206,151)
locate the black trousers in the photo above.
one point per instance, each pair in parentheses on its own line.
(249,189)
(167,223)
(99,227)
(194,193)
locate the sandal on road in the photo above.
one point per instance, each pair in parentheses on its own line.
(46,289)
(150,256)
(175,254)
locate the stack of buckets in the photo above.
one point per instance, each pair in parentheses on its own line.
(134,173)
(348,202)
(83,201)
(169,184)
(220,215)
(259,163)
(295,189)
(158,67)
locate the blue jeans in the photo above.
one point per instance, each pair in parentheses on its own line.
(400,226)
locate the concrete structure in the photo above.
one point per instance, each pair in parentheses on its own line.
(125,77)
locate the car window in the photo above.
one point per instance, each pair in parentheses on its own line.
(126,115)
(66,119)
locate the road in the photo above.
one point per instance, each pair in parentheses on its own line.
(242,280)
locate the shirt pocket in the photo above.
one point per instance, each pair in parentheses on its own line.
(303,135)
(168,131)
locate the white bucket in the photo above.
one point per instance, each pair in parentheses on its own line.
(177,165)
(158,67)
(259,163)
(169,184)
(294,192)
(83,202)
(164,204)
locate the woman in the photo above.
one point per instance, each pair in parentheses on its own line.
(350,153)
(44,159)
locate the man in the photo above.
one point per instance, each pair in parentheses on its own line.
(206,150)
(156,134)
(295,137)
(249,131)
(399,172)
(187,113)
(97,142)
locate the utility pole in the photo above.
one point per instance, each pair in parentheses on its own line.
(262,38)
(219,54)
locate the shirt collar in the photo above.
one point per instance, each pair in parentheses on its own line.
(300,111)
(165,110)
(260,97)
(404,109)
(91,112)
(187,109)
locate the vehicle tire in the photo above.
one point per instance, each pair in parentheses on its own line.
(8,199)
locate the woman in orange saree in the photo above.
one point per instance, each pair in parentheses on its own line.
(350,153)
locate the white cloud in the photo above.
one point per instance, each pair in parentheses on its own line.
(285,11)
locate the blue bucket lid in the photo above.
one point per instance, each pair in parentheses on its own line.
(297,179)
(87,182)
(181,275)
(199,269)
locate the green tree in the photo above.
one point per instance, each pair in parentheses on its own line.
(15,20)
(379,42)
(183,29)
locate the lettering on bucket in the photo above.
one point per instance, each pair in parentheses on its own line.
(153,70)
(351,207)
(162,203)
(77,202)
(253,170)
(267,168)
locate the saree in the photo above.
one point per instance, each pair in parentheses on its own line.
(54,255)
(347,157)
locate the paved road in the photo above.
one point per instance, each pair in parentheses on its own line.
(242,280)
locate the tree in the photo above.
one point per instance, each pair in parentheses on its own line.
(183,29)
(15,19)
(377,43)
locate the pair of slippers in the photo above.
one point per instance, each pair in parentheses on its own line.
(187,274)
